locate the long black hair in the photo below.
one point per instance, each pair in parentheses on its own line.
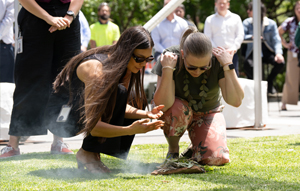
(102,97)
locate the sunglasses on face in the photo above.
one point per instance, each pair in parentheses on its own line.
(140,59)
(202,68)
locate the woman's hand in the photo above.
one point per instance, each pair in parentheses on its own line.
(287,45)
(59,23)
(168,59)
(223,56)
(144,126)
(156,112)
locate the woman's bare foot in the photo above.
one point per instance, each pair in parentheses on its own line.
(91,161)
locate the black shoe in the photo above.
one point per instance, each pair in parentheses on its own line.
(187,153)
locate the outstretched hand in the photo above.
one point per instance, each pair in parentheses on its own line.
(144,125)
(156,112)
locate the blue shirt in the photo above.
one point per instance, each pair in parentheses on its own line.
(270,35)
(85,32)
(168,33)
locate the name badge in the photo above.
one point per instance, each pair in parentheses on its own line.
(64,113)
(20,45)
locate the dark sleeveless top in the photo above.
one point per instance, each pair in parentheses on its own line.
(74,123)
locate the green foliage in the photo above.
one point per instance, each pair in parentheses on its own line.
(263,163)
(125,13)
(280,79)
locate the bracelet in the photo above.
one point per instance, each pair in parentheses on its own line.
(169,67)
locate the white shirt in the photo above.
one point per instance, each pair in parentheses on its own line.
(168,33)
(6,21)
(227,31)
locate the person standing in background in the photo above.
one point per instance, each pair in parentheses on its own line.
(104,32)
(225,29)
(6,41)
(180,12)
(168,32)
(271,46)
(290,93)
(49,35)
(85,32)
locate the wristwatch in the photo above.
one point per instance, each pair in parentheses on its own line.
(228,67)
(71,13)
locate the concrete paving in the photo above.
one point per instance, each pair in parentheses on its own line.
(279,123)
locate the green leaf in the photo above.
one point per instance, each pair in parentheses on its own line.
(205,88)
(186,87)
(186,93)
(193,101)
(201,93)
(200,105)
(195,107)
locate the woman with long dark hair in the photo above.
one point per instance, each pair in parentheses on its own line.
(190,79)
(106,84)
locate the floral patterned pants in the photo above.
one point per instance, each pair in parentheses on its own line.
(207,131)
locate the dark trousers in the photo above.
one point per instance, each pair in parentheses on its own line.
(6,63)
(116,146)
(268,58)
(44,55)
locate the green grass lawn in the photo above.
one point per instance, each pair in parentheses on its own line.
(265,163)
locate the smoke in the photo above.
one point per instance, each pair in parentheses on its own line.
(138,160)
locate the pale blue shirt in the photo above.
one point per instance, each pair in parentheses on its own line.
(168,33)
(6,21)
(85,32)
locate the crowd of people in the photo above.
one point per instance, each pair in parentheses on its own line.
(72,78)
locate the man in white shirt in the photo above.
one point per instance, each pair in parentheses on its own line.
(6,41)
(168,32)
(225,29)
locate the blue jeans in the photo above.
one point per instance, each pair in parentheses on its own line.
(6,63)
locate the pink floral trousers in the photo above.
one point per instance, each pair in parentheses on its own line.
(207,131)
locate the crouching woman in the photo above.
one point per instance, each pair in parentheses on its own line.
(104,84)
(190,78)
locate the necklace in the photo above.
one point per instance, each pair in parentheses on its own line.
(203,92)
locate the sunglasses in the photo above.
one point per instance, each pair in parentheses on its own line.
(140,60)
(202,68)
